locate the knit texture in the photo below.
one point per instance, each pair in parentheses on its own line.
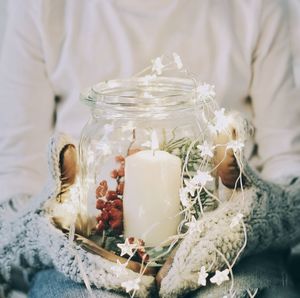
(29,239)
(271,215)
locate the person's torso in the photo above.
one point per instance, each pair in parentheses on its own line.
(96,40)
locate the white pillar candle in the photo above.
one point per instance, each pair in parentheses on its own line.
(151,196)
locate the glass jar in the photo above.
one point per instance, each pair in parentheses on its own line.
(136,153)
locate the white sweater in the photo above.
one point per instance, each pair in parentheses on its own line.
(58,47)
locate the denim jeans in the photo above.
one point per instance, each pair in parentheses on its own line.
(265,272)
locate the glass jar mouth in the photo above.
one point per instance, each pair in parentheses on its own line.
(142,93)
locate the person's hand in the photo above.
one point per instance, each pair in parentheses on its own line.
(226,161)
(261,216)
(30,238)
(227,170)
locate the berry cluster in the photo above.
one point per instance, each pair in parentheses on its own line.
(140,252)
(110,202)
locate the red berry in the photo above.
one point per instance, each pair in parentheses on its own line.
(114,174)
(98,217)
(100,204)
(104,216)
(120,158)
(120,188)
(115,213)
(141,242)
(108,205)
(121,172)
(101,189)
(100,226)
(116,225)
(131,240)
(143,255)
(117,203)
(111,195)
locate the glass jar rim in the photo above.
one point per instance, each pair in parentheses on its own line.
(142,93)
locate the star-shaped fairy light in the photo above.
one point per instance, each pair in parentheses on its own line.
(205,91)
(119,269)
(127,248)
(177,60)
(206,149)
(131,285)
(236,220)
(157,66)
(220,277)
(221,121)
(202,276)
(201,178)
(236,145)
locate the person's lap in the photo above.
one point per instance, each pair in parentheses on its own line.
(265,272)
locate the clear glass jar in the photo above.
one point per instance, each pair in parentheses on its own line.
(135,153)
